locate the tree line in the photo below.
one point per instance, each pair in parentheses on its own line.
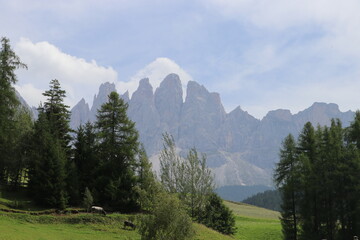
(270,199)
(101,162)
(318,177)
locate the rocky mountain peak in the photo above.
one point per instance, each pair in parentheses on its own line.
(126,96)
(104,90)
(279,114)
(144,93)
(168,102)
(171,81)
(80,114)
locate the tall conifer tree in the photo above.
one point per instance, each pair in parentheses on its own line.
(118,148)
(9,62)
(287,177)
(47,167)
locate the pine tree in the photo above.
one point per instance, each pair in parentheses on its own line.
(58,114)
(85,156)
(47,168)
(9,62)
(118,148)
(309,147)
(287,175)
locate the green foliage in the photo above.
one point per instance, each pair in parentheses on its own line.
(118,148)
(197,183)
(168,220)
(18,145)
(171,168)
(218,216)
(147,186)
(192,181)
(189,178)
(88,199)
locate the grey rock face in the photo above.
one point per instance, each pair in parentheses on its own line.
(321,113)
(266,140)
(80,114)
(202,116)
(168,102)
(104,91)
(237,130)
(143,112)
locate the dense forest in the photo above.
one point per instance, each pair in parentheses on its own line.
(318,177)
(270,199)
(102,163)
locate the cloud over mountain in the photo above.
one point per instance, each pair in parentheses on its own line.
(156,71)
(79,77)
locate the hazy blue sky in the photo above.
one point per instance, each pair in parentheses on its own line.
(261,55)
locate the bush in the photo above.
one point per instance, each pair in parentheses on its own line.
(169,220)
(218,216)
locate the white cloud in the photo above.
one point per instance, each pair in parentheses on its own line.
(337,19)
(156,71)
(80,78)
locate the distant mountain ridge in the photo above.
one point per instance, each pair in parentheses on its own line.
(241,149)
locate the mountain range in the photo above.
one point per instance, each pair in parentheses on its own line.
(240,149)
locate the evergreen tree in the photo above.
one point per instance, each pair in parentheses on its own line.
(58,114)
(118,148)
(309,148)
(353,132)
(47,168)
(9,62)
(287,175)
(85,156)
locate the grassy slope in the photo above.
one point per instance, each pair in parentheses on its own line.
(252,223)
(255,223)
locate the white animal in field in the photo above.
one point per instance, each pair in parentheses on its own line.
(98,210)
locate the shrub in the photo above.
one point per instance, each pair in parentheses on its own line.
(169,220)
(218,216)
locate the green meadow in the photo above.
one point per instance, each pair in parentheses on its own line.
(252,223)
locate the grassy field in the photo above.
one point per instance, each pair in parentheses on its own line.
(255,223)
(252,223)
